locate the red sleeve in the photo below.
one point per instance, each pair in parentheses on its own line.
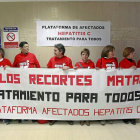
(121,64)
(76,65)
(98,63)
(9,63)
(36,62)
(15,63)
(49,65)
(116,62)
(135,63)
(138,64)
(70,64)
(92,66)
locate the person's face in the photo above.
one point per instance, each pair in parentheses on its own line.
(84,56)
(131,55)
(111,54)
(56,52)
(25,48)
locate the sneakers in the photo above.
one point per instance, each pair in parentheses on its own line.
(103,122)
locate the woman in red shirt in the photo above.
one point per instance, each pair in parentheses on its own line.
(128,63)
(107,61)
(85,63)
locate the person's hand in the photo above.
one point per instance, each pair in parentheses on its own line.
(75,68)
(133,67)
(97,68)
(119,68)
(6,66)
(65,68)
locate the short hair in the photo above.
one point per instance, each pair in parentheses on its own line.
(22,44)
(60,47)
(127,51)
(85,50)
(106,50)
(2,52)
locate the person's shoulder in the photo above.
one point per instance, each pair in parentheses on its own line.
(52,58)
(115,58)
(66,57)
(31,54)
(19,54)
(5,59)
(123,60)
(99,59)
(90,61)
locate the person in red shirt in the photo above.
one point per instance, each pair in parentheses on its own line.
(4,63)
(59,60)
(85,63)
(138,64)
(128,63)
(107,61)
(25,59)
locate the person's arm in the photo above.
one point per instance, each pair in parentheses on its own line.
(92,65)
(15,62)
(68,65)
(98,64)
(49,65)
(8,65)
(138,64)
(36,62)
(116,62)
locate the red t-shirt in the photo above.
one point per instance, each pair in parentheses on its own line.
(88,64)
(56,62)
(107,63)
(125,63)
(28,60)
(138,64)
(5,62)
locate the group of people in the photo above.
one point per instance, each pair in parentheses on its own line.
(25,59)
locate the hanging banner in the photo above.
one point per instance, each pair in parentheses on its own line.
(0,38)
(54,94)
(73,33)
(10,37)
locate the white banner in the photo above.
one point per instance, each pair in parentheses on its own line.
(83,94)
(73,33)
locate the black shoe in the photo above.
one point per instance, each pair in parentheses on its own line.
(70,123)
(133,121)
(52,122)
(126,121)
(34,121)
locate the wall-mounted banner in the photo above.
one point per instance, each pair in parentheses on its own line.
(0,38)
(73,33)
(55,94)
(10,37)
